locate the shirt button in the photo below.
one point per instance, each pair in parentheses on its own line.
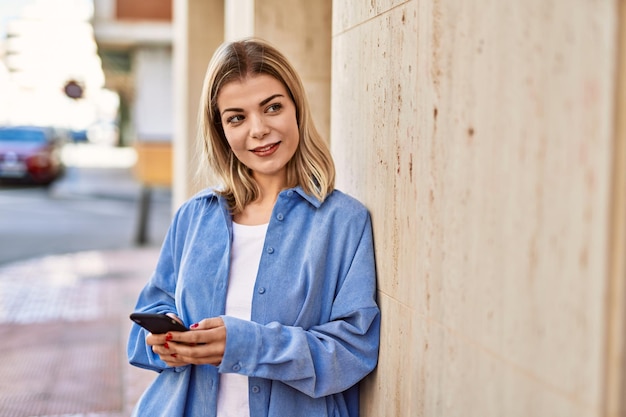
(280,217)
(255,389)
(270,250)
(261,290)
(289,193)
(236,367)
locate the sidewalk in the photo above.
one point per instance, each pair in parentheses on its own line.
(63,325)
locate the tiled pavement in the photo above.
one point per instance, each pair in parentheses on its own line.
(63,331)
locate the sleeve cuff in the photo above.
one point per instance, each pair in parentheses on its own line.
(243,339)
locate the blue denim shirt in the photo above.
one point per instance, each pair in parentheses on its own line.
(314,332)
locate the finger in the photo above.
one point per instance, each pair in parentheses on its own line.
(173,360)
(175,317)
(210,353)
(159,339)
(206,324)
(155,339)
(215,335)
(167,348)
(162,350)
(215,360)
(167,353)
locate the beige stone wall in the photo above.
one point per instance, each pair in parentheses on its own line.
(481,136)
(301,29)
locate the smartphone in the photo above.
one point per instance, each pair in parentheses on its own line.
(157,323)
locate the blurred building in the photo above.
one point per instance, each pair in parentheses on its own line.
(48,47)
(134,39)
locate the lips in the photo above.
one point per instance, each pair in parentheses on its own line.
(266,150)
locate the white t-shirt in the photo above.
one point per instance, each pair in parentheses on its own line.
(232,400)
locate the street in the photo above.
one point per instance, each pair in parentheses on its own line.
(92,207)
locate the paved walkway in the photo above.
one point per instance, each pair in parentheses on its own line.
(63,331)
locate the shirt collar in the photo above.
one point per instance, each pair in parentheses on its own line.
(210,194)
(206,193)
(314,201)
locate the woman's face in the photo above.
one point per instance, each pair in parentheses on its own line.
(260,125)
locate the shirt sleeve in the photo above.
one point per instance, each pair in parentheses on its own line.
(157,297)
(327,358)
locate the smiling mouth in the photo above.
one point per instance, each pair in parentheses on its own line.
(265,150)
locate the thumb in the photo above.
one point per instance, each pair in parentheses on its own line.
(207,324)
(175,317)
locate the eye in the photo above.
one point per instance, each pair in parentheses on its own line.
(234,119)
(273,108)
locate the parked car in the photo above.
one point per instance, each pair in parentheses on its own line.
(30,153)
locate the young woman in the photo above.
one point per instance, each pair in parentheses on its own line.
(273,271)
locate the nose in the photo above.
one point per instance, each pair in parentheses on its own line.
(258,127)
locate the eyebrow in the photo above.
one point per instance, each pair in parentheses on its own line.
(262,103)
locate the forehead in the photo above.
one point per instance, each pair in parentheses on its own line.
(250,90)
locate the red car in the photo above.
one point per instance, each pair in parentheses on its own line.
(30,153)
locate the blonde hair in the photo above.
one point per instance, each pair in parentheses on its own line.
(311,167)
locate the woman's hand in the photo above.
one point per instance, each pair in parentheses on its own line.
(203,344)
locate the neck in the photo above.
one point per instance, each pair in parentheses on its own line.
(260,210)
(270,186)
(257,212)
